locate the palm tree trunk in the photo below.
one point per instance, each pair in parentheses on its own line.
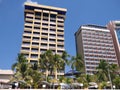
(56,74)
(46,74)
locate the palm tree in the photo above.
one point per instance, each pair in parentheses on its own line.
(77,63)
(21,66)
(102,71)
(45,61)
(113,70)
(116,82)
(58,64)
(65,57)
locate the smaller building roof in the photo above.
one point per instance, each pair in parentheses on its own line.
(6,72)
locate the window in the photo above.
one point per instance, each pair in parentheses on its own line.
(60,35)
(35,43)
(34,49)
(25,48)
(44,39)
(34,56)
(28,26)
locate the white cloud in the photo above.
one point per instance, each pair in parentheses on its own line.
(30,1)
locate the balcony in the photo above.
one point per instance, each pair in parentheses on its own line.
(26,34)
(43,47)
(29,19)
(61,48)
(43,21)
(52,26)
(60,43)
(52,22)
(30,15)
(60,28)
(62,33)
(25,45)
(24,51)
(36,20)
(28,24)
(60,19)
(36,25)
(52,47)
(60,38)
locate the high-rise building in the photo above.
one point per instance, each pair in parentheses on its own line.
(114,27)
(43,30)
(95,43)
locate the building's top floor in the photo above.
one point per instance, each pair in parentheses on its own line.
(32,6)
(95,26)
(92,27)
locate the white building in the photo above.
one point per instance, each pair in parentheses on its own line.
(5,75)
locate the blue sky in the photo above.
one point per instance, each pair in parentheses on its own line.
(79,12)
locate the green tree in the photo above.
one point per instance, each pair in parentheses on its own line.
(58,64)
(116,82)
(102,71)
(45,61)
(21,67)
(77,63)
(27,74)
(65,57)
(113,70)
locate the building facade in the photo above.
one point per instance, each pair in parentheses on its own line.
(114,27)
(5,77)
(95,43)
(43,30)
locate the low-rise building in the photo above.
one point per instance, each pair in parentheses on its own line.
(5,76)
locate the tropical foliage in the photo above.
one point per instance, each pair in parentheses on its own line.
(49,64)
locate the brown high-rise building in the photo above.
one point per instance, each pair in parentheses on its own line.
(114,27)
(43,30)
(95,43)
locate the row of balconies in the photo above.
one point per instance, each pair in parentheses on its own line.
(98,47)
(95,32)
(61,22)
(100,57)
(45,25)
(34,54)
(96,35)
(98,51)
(45,31)
(98,44)
(97,39)
(50,35)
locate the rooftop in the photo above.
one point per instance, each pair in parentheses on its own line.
(45,7)
(6,72)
